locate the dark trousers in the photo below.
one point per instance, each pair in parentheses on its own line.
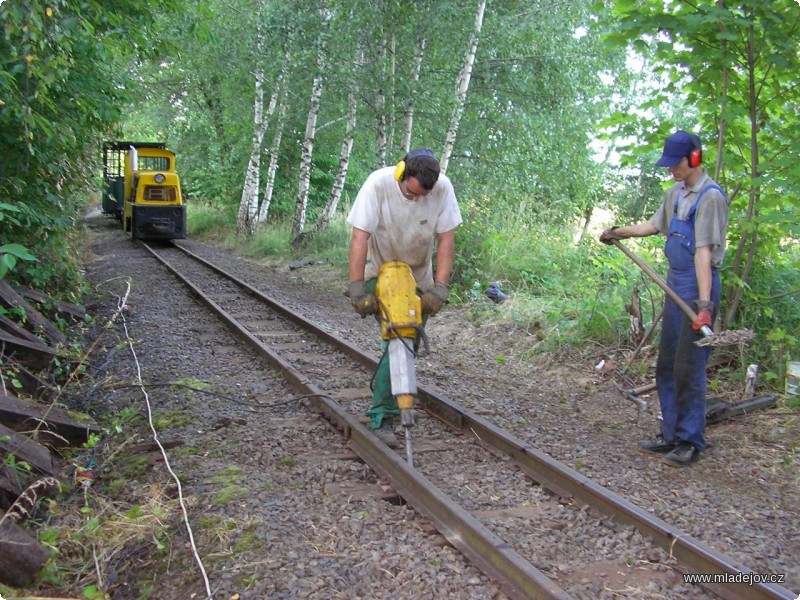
(681,379)
(681,367)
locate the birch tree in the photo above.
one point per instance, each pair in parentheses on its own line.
(462,86)
(248,205)
(274,149)
(380,109)
(392,90)
(344,154)
(408,116)
(298,223)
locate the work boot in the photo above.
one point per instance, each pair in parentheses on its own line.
(657,444)
(385,433)
(683,454)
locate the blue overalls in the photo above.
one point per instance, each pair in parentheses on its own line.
(681,364)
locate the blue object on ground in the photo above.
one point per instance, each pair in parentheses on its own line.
(495,293)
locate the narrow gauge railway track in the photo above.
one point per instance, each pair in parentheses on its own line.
(335,373)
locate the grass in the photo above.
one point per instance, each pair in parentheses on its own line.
(94,540)
(274,242)
(174,418)
(228,494)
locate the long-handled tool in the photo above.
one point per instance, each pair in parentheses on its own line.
(400,311)
(726,338)
(632,396)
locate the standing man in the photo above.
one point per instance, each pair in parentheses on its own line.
(397,215)
(694,217)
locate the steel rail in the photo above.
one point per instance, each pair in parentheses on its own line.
(518,578)
(695,556)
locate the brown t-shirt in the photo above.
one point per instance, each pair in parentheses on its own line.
(711,218)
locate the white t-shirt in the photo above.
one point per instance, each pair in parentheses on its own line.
(401,229)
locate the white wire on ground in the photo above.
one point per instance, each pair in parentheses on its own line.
(122,302)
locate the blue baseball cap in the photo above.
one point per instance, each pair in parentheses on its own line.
(677,147)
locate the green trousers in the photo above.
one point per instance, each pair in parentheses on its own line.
(384,404)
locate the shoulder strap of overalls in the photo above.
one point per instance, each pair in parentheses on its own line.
(710,186)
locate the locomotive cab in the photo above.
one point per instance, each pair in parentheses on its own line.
(153,206)
(114,159)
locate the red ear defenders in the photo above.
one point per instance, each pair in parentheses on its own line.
(695,157)
(400,169)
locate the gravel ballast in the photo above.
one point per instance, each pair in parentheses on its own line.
(280,509)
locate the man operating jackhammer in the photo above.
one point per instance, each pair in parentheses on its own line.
(398,214)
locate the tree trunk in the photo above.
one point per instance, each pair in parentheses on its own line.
(405,144)
(587,219)
(380,113)
(274,151)
(749,238)
(248,205)
(392,91)
(636,327)
(308,141)
(722,106)
(344,155)
(462,85)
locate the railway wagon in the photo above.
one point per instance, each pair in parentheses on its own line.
(143,191)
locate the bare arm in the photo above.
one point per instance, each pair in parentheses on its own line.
(642,229)
(444,256)
(702,267)
(358,254)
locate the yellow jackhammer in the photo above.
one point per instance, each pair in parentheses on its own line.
(400,312)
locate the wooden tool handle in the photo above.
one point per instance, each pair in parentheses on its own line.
(705,330)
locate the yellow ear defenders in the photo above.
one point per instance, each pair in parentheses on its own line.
(400,169)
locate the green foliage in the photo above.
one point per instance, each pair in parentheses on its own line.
(63,76)
(330,245)
(210,221)
(13,466)
(92,441)
(182,72)
(564,292)
(173,418)
(521,116)
(737,64)
(572,292)
(9,253)
(271,241)
(772,309)
(529,119)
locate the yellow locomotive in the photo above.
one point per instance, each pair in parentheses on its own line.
(143,190)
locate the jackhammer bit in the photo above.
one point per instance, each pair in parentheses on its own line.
(408,418)
(404,387)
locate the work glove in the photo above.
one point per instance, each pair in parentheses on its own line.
(608,237)
(704,308)
(433,300)
(363,302)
